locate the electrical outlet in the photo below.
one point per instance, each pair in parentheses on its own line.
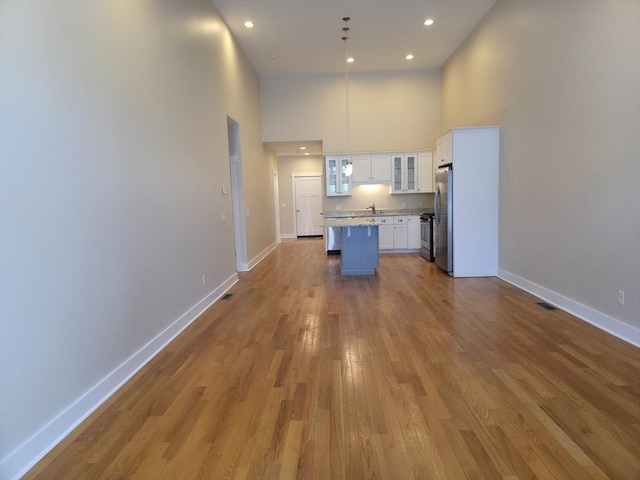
(204,279)
(223,217)
(621,297)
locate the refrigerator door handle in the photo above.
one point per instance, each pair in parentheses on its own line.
(436,205)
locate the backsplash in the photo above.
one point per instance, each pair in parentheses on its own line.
(364,195)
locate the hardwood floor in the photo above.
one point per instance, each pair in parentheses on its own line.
(306,374)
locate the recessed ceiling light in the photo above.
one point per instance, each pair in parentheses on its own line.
(248,24)
(306,153)
(350,60)
(409,57)
(428,21)
(303,148)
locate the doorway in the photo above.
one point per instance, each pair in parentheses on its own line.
(307,195)
(237,195)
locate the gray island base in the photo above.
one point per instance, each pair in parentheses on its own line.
(360,254)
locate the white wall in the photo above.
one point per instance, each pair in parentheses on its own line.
(388,111)
(563,79)
(113,152)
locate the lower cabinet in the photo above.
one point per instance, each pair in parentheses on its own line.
(399,232)
(385,232)
(414,239)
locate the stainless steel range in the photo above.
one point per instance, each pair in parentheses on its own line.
(426,236)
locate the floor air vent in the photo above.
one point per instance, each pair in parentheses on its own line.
(546,306)
(227,296)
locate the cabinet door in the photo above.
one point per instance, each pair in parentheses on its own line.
(400,230)
(410,175)
(385,232)
(425,172)
(331,175)
(385,237)
(337,182)
(381,168)
(361,169)
(344,179)
(413,232)
(443,149)
(398,171)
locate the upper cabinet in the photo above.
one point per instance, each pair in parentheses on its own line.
(425,171)
(412,172)
(371,168)
(404,172)
(338,182)
(443,149)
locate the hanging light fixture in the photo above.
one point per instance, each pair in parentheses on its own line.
(347,60)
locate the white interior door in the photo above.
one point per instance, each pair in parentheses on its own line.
(308,198)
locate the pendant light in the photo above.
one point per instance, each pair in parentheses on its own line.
(347,60)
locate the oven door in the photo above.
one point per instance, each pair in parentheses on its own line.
(426,238)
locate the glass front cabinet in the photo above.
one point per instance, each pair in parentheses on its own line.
(412,172)
(338,182)
(404,173)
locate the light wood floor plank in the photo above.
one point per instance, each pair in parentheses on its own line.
(409,374)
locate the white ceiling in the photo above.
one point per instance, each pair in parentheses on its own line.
(303,37)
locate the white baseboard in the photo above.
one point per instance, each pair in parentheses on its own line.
(25,456)
(258,258)
(611,325)
(288,235)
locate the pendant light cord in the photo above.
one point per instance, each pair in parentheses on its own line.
(345,29)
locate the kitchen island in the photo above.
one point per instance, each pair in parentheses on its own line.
(359,251)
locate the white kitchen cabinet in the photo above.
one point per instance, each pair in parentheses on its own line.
(404,172)
(385,232)
(414,239)
(374,168)
(443,149)
(338,183)
(400,233)
(425,172)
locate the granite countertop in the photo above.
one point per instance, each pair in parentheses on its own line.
(379,213)
(349,222)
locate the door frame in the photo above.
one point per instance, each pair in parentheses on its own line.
(237,195)
(276,204)
(293,189)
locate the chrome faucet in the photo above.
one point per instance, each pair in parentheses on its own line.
(373,208)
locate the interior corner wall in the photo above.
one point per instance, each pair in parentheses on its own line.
(113,152)
(388,111)
(562,79)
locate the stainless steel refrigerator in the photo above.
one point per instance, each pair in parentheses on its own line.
(443,220)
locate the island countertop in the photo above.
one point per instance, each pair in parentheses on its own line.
(349,222)
(386,212)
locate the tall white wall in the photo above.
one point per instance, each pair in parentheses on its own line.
(562,78)
(113,151)
(388,111)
